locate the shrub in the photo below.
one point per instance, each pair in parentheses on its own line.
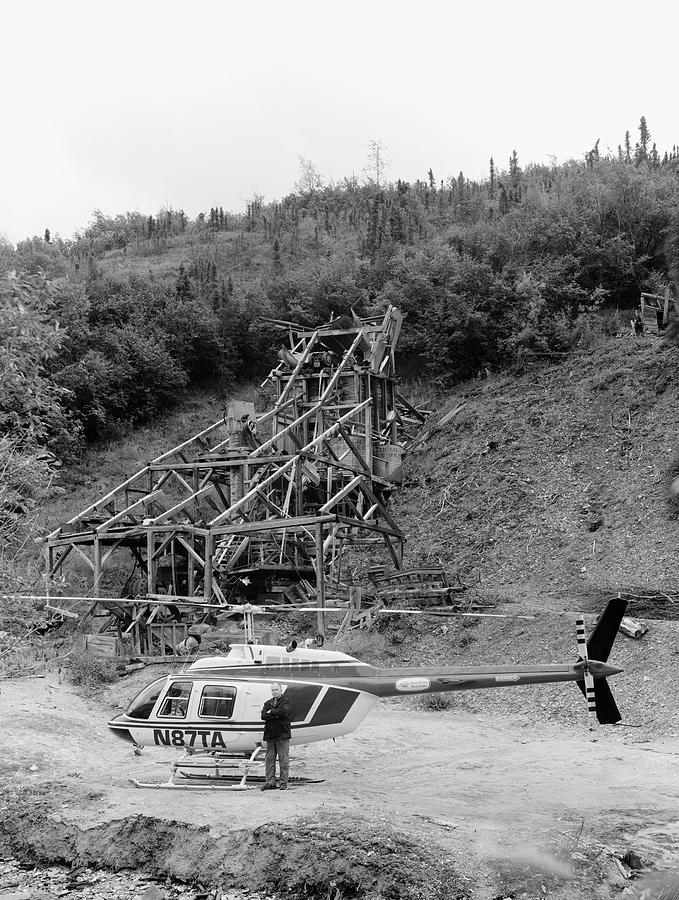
(91,671)
(436,702)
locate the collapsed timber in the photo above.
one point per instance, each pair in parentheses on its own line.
(259,509)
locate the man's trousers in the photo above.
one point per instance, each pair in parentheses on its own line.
(278,748)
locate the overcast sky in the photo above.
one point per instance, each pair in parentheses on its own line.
(138,105)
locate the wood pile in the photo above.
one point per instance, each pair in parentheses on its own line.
(427,587)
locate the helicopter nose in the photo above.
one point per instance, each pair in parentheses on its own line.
(120,730)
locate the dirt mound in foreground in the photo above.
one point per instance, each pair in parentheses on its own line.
(330,855)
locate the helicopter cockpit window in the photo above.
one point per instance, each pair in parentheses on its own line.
(143,703)
(216,701)
(176,701)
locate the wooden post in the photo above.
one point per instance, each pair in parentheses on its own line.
(320,579)
(299,506)
(190,571)
(150,562)
(97,566)
(209,552)
(50,566)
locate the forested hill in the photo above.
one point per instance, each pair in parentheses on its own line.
(104,330)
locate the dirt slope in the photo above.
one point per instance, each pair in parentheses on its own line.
(555,482)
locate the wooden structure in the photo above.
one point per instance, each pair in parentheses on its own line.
(657,306)
(429,586)
(261,508)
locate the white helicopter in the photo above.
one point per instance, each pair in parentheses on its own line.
(212,710)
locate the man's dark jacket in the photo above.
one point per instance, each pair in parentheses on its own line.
(276,715)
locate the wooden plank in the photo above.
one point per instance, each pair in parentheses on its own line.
(102,645)
(142,503)
(181,506)
(104,500)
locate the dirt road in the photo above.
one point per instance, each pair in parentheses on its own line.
(482,790)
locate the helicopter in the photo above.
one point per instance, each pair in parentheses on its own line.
(211,710)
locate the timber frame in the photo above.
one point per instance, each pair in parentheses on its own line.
(262,508)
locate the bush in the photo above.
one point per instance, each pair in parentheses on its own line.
(436,702)
(90,671)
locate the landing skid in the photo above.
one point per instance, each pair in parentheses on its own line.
(214,778)
(224,783)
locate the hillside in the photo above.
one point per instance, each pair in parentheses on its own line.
(551,487)
(554,482)
(547,493)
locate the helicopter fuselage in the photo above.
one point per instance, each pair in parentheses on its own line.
(215,705)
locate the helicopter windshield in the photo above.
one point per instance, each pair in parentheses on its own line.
(143,703)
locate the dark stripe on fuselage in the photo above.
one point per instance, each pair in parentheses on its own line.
(254,727)
(302,698)
(333,707)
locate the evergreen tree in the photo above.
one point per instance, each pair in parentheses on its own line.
(628,148)
(504,202)
(514,168)
(491,183)
(644,138)
(277,262)
(395,223)
(183,285)
(48,236)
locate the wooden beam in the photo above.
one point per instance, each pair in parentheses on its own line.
(60,560)
(137,505)
(236,555)
(97,567)
(84,556)
(207,577)
(354,449)
(341,494)
(274,524)
(112,549)
(392,552)
(104,500)
(251,493)
(381,529)
(191,551)
(178,449)
(181,506)
(296,370)
(320,578)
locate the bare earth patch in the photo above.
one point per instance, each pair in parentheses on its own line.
(415,803)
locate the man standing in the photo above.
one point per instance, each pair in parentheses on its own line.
(277,715)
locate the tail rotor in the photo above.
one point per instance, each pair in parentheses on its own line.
(588,691)
(593,657)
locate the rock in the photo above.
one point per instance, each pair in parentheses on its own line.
(633,860)
(152,892)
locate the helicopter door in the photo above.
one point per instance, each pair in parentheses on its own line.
(222,716)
